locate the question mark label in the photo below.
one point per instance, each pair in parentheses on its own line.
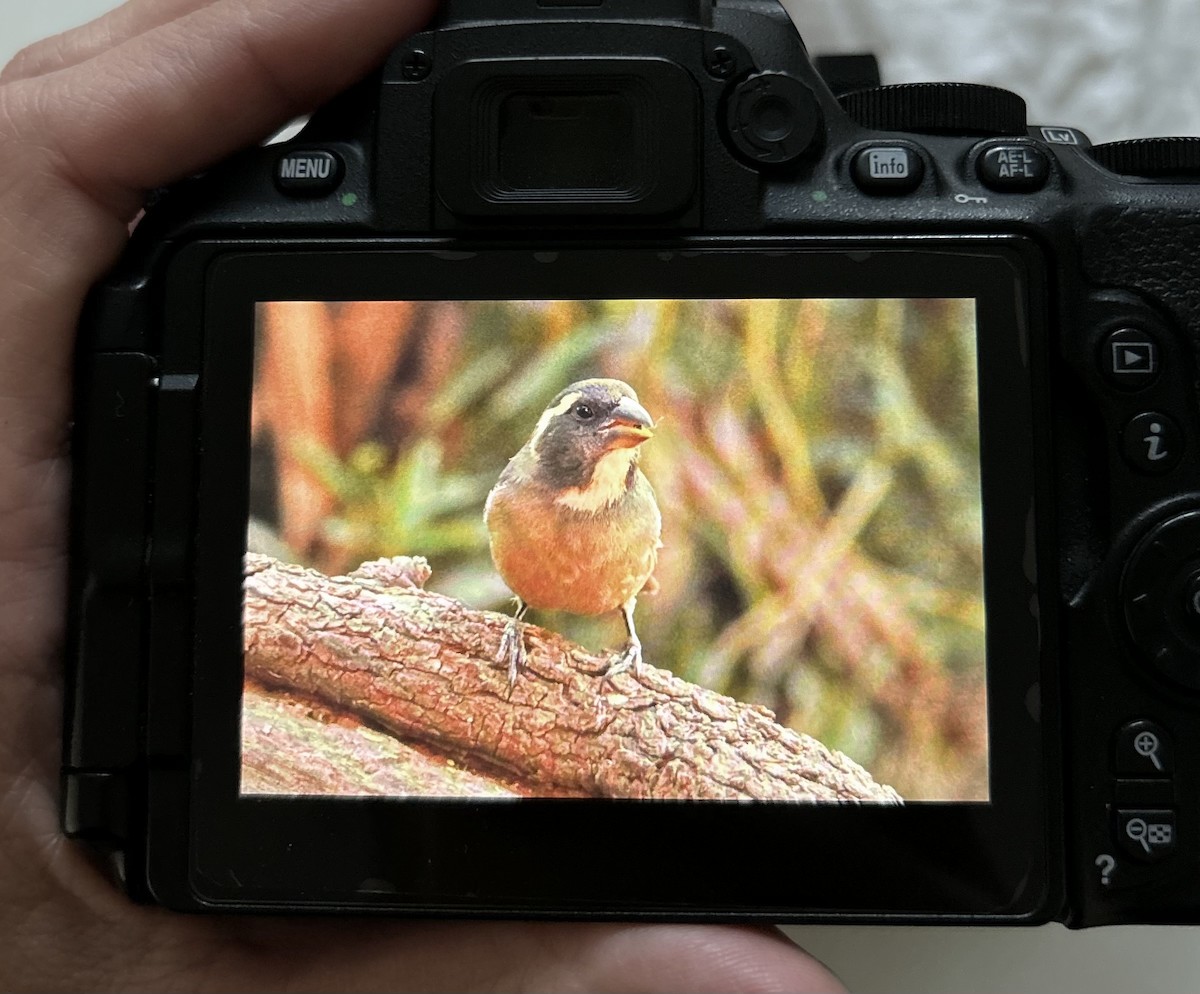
(1107,864)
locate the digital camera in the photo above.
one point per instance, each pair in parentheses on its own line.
(609,465)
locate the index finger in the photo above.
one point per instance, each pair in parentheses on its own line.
(176,98)
(107,31)
(79,148)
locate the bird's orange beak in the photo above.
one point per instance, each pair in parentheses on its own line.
(630,425)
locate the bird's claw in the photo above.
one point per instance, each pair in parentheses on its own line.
(512,650)
(630,659)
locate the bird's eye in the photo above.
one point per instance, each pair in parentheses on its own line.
(584,413)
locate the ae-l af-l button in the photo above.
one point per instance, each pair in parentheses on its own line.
(1015,168)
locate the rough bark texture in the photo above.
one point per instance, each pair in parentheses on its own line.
(420,665)
(296,747)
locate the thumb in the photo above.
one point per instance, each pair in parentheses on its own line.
(80,144)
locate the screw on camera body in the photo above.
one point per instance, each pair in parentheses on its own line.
(416,65)
(721,62)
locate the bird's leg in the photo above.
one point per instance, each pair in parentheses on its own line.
(512,644)
(631,656)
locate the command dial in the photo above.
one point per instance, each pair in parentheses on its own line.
(1151,158)
(938,109)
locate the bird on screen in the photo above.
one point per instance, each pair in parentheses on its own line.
(573,522)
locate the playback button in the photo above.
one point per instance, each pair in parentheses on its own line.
(1129,359)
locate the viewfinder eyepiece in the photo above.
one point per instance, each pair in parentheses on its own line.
(566,136)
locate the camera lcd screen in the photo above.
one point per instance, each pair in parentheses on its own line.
(843,445)
(778,501)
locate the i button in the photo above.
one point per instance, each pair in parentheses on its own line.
(1152,443)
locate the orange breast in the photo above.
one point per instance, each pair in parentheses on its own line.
(557,559)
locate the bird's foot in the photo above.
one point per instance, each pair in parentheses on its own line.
(512,650)
(629,659)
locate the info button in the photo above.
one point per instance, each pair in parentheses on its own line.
(887,169)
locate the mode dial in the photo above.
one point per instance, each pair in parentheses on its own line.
(1151,158)
(938,109)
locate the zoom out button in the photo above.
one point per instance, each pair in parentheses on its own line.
(1147,835)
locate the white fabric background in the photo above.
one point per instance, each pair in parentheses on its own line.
(1116,69)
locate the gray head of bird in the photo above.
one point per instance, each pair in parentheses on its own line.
(590,424)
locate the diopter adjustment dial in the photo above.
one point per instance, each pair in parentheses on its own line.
(772,119)
(1151,158)
(938,109)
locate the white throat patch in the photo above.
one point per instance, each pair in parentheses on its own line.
(606,486)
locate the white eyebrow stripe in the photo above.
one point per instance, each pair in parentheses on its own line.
(550,414)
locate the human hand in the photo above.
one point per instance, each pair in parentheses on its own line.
(89,121)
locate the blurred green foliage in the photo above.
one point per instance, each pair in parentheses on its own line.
(817,467)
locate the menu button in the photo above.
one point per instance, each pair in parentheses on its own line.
(308,173)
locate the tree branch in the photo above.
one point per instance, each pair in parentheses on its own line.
(420,665)
(295,746)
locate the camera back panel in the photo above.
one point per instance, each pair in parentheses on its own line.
(525,136)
